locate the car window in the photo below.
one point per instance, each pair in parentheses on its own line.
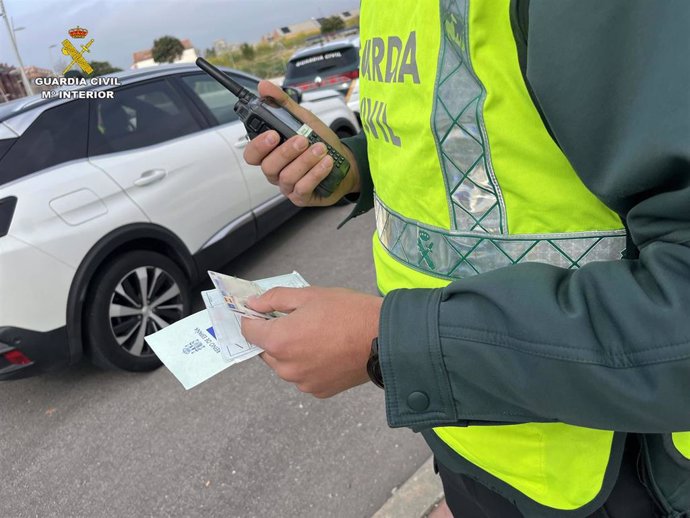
(216,97)
(5,145)
(327,62)
(139,116)
(58,135)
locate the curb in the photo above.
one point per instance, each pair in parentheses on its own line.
(416,497)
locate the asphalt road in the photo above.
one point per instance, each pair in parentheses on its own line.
(85,442)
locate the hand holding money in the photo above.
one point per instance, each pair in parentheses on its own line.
(208,342)
(322,344)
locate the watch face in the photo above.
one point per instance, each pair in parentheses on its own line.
(374,365)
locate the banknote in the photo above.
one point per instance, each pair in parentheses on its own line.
(236,291)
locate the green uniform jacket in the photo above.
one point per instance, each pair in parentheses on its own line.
(605,346)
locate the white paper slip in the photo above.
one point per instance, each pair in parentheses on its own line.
(189,350)
(289,280)
(227,328)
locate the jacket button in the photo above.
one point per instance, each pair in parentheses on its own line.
(418,401)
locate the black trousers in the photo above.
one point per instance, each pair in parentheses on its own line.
(629,498)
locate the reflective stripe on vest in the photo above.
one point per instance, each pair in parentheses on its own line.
(467,179)
(681,440)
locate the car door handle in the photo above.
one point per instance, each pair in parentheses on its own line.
(151,176)
(242,142)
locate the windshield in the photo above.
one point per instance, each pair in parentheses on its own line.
(323,63)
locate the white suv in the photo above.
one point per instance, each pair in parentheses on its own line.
(110,209)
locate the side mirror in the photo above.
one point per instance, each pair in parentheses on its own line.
(294,93)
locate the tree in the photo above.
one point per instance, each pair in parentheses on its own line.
(167,49)
(74,72)
(101,68)
(247,51)
(332,24)
(210,53)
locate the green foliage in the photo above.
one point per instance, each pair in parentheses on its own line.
(101,68)
(167,49)
(247,51)
(210,53)
(332,24)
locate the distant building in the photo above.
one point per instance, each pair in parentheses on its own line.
(11,86)
(221,46)
(33,72)
(307,28)
(144,58)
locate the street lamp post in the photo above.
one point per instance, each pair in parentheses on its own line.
(52,62)
(11,30)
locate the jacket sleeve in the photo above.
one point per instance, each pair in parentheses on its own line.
(364,200)
(608,345)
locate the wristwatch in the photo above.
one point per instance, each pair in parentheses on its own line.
(373,365)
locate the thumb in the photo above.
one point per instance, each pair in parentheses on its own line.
(268,89)
(284,300)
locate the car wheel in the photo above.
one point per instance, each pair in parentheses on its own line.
(135,294)
(344,132)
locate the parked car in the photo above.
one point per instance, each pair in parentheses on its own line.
(110,209)
(333,65)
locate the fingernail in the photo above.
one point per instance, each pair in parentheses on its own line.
(326,163)
(301,144)
(272,138)
(318,149)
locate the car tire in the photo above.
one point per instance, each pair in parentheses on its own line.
(132,295)
(344,132)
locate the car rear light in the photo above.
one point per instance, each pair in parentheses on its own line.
(328,81)
(306,86)
(16,357)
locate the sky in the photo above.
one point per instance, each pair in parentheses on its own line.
(121,27)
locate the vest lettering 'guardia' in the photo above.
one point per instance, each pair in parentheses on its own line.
(467,179)
(386,61)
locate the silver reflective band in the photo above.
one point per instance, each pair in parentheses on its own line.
(474,197)
(454,254)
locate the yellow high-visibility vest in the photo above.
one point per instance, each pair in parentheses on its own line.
(467,179)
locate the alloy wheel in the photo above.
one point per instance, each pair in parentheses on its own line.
(146,300)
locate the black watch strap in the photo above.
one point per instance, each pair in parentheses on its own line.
(373,365)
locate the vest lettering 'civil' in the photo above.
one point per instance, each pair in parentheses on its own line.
(467,180)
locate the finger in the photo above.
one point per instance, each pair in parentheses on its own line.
(300,167)
(303,190)
(285,371)
(260,147)
(269,360)
(274,163)
(268,89)
(284,300)
(256,331)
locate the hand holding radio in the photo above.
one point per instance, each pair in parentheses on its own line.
(297,165)
(296,151)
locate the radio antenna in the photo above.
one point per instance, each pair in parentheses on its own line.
(232,85)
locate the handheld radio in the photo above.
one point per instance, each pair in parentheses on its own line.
(263,114)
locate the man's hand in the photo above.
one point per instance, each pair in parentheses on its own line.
(294,166)
(323,344)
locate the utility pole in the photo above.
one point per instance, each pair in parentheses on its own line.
(10,29)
